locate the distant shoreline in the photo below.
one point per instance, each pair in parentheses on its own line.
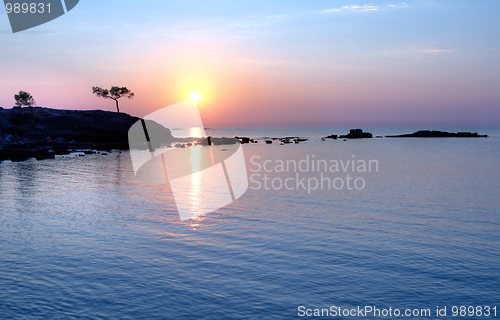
(50,132)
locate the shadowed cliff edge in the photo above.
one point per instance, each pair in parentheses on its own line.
(49,132)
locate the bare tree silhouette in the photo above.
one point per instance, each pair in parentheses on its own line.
(114,93)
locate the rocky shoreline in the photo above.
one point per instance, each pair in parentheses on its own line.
(50,132)
(46,133)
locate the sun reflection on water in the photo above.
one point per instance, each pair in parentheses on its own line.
(196,132)
(195,188)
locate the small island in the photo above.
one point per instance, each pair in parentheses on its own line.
(439,134)
(353,134)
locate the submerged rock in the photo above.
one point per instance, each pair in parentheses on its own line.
(244,140)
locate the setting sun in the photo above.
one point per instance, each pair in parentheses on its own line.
(195,96)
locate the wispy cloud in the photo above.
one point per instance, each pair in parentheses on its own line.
(435,50)
(259,21)
(398,6)
(366,8)
(412,52)
(353,8)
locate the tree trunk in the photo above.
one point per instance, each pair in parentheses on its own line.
(118,109)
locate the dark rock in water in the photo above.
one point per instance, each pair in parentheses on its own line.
(61,150)
(470,135)
(244,140)
(333,136)
(285,140)
(89,152)
(439,134)
(214,141)
(224,141)
(357,134)
(44,153)
(158,135)
(288,140)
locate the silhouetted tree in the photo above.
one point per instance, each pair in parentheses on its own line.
(23,98)
(114,93)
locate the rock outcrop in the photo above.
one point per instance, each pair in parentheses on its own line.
(439,134)
(48,132)
(356,134)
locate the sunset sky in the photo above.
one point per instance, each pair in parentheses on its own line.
(268,63)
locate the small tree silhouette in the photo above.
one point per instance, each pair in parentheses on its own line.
(23,98)
(114,93)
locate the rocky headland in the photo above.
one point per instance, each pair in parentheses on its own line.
(46,133)
(49,132)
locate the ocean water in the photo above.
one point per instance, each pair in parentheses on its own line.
(81,238)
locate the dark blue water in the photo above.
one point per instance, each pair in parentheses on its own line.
(81,238)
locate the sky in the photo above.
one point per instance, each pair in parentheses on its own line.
(428,64)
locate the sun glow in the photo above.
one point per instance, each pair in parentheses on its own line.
(195,96)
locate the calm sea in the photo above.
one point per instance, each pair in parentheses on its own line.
(81,238)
